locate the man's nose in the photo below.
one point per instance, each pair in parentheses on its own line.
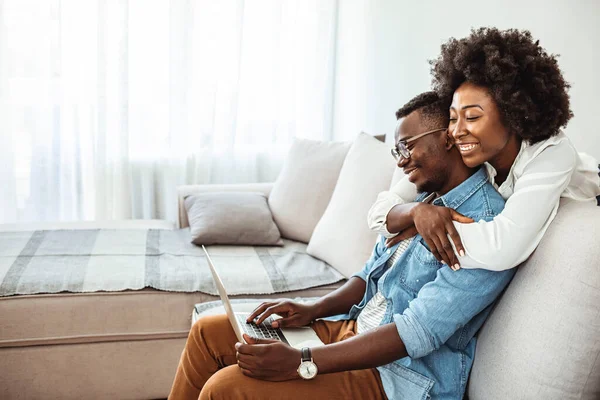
(401,161)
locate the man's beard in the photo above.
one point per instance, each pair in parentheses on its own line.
(434,183)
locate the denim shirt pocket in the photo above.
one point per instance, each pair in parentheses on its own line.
(422,269)
(400,382)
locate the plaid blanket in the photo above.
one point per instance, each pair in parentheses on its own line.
(113,260)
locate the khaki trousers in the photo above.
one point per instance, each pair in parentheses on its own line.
(208,369)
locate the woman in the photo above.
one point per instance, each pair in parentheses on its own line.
(509,102)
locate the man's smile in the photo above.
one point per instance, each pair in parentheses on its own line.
(409,171)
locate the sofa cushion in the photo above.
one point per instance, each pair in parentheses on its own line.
(304,186)
(542,339)
(95,339)
(70,318)
(231,218)
(342,237)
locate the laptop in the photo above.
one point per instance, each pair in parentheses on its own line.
(295,337)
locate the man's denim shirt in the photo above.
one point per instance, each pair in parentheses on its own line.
(437,311)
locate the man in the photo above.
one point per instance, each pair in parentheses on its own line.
(402,328)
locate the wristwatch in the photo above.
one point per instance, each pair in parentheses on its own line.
(307,369)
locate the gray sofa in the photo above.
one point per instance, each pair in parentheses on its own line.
(542,341)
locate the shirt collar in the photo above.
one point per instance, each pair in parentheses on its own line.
(457,196)
(491,171)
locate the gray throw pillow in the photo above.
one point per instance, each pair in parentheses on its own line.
(241,218)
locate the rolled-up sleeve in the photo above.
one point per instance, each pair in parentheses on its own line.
(446,304)
(362,274)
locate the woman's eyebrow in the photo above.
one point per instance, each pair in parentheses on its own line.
(472,106)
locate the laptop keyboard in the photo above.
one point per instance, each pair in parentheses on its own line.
(262,331)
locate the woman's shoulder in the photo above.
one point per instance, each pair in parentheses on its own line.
(559,148)
(561,142)
(558,155)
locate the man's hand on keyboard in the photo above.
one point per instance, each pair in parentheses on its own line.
(292,314)
(269,360)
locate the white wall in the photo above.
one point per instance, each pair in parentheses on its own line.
(384,45)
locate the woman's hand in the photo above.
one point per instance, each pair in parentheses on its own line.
(293,314)
(434,224)
(269,360)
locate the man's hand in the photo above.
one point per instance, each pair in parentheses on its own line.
(405,234)
(269,360)
(293,314)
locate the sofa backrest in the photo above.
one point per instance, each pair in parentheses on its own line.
(542,340)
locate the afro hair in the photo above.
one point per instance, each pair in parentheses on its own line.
(524,81)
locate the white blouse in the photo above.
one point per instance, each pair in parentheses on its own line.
(541,174)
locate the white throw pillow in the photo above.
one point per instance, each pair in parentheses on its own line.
(397,176)
(304,187)
(342,237)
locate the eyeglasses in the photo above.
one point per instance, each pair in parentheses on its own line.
(401,149)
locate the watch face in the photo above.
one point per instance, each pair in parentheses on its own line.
(307,370)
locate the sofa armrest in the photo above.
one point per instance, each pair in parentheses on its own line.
(188,190)
(549,312)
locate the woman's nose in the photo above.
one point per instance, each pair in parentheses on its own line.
(458,130)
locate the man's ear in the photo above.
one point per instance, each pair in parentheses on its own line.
(449,141)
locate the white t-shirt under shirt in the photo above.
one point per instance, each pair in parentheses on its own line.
(540,175)
(371,316)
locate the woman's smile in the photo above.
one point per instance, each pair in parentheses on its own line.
(466,148)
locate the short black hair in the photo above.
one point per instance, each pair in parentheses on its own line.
(433,109)
(524,81)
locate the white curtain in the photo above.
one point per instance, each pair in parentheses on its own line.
(106,106)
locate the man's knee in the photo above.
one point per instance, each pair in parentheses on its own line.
(227,383)
(209,326)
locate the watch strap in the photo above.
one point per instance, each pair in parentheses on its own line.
(306,354)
